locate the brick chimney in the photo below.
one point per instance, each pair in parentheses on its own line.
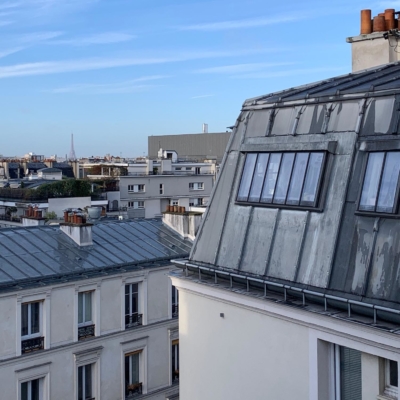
(33,217)
(377,42)
(76,227)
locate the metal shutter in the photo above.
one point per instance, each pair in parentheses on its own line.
(350,374)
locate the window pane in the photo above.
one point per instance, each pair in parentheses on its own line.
(127,300)
(258,179)
(24,391)
(388,187)
(247,176)
(35,317)
(350,374)
(80,383)
(371,182)
(134,303)
(88,381)
(393,378)
(270,179)
(24,319)
(134,376)
(88,306)
(35,389)
(296,183)
(284,178)
(314,168)
(80,308)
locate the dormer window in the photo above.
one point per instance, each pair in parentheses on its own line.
(380,189)
(285,179)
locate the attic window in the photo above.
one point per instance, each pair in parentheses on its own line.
(289,179)
(381,183)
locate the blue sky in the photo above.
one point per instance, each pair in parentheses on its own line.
(116,71)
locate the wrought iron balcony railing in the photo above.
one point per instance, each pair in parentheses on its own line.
(86,331)
(33,344)
(133,320)
(133,390)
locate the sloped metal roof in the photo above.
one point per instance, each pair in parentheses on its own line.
(371,81)
(336,248)
(44,253)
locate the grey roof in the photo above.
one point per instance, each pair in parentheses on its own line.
(37,255)
(334,249)
(49,170)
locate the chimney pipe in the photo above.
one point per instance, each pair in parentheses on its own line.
(379,24)
(389,18)
(366,22)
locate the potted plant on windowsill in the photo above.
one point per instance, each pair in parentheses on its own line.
(134,388)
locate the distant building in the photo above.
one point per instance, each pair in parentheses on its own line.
(88,312)
(196,147)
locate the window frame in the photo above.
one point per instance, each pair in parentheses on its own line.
(128,355)
(389,389)
(92,378)
(175,361)
(396,208)
(40,332)
(321,186)
(84,294)
(138,312)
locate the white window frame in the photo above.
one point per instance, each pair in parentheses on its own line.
(32,373)
(390,390)
(85,357)
(137,188)
(93,378)
(37,334)
(131,346)
(44,299)
(92,300)
(142,298)
(136,205)
(196,186)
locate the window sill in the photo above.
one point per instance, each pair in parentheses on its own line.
(385,397)
(377,215)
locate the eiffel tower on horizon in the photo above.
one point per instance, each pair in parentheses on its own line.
(72,155)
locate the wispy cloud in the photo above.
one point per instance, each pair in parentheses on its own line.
(239,24)
(56,67)
(8,52)
(131,86)
(239,68)
(202,96)
(99,38)
(36,37)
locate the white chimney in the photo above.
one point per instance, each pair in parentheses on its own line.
(205,128)
(81,234)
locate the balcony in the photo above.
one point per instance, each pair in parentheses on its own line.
(133,320)
(175,310)
(34,344)
(86,331)
(133,390)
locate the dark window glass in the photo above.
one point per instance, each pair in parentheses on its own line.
(297,181)
(85,387)
(393,376)
(380,186)
(24,319)
(246,177)
(282,178)
(30,390)
(35,310)
(270,179)
(313,174)
(350,374)
(24,391)
(258,178)
(30,318)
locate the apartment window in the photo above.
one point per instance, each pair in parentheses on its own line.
(31,327)
(196,186)
(86,327)
(178,169)
(136,188)
(290,179)
(32,390)
(391,378)
(188,168)
(348,373)
(136,204)
(85,382)
(133,386)
(380,189)
(132,316)
(175,302)
(161,188)
(175,360)
(195,202)
(197,170)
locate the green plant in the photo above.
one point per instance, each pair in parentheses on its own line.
(51,215)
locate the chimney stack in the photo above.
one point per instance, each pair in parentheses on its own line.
(33,217)
(76,227)
(377,42)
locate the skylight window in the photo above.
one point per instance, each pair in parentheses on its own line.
(289,179)
(381,183)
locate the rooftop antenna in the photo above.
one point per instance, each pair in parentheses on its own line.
(72,155)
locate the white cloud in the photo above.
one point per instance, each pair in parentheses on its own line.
(56,67)
(131,86)
(35,37)
(100,38)
(239,68)
(239,24)
(7,52)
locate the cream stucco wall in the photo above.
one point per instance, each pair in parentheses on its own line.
(244,355)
